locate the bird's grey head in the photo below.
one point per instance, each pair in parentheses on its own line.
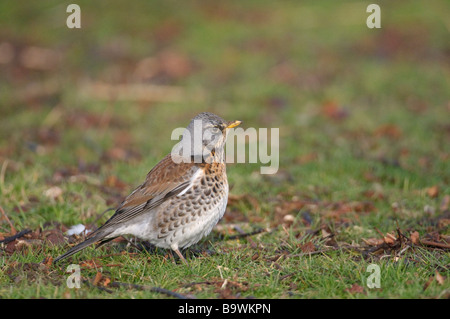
(204,138)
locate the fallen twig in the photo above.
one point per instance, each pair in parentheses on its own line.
(383,246)
(98,287)
(242,234)
(14,237)
(154,289)
(201,283)
(434,244)
(379,232)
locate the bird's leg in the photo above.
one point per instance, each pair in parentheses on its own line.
(131,243)
(181,257)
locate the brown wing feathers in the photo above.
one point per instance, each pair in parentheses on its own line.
(165,180)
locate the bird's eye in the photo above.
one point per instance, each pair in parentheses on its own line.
(215,130)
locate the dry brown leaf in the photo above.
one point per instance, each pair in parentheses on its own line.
(415,237)
(306,158)
(363,207)
(374,195)
(433,191)
(11,246)
(308,247)
(97,278)
(106,282)
(389,130)
(325,233)
(439,278)
(389,239)
(174,64)
(89,264)
(333,111)
(355,289)
(54,236)
(114,182)
(48,261)
(445,203)
(373,241)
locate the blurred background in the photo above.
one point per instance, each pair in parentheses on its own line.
(362,112)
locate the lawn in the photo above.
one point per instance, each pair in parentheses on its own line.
(364,153)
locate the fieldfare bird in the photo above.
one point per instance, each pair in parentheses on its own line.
(183,197)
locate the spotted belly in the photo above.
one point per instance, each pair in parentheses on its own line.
(188,218)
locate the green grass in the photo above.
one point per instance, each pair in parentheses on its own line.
(360,112)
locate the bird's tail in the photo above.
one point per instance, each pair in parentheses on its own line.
(93,239)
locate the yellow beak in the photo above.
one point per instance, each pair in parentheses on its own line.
(234,124)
